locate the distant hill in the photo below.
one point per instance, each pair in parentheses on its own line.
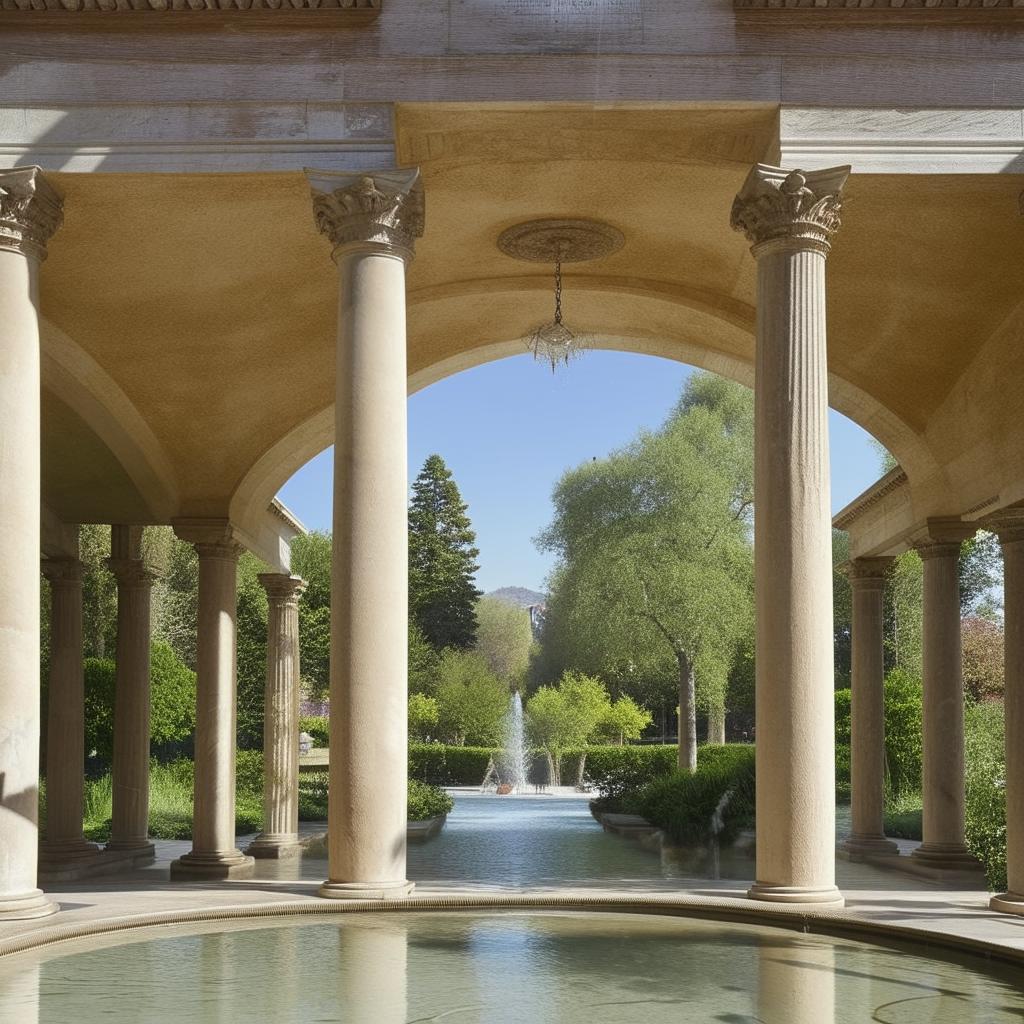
(521,597)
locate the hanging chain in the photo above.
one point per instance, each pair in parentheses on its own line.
(558,290)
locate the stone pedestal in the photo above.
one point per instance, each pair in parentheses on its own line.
(372,222)
(1009,525)
(130,776)
(867,711)
(214,854)
(942,771)
(789,217)
(280,835)
(64,842)
(30,212)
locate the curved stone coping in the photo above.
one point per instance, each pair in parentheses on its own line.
(836,923)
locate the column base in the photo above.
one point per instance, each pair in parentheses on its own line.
(275,847)
(24,906)
(828,897)
(1008,903)
(66,851)
(870,846)
(366,890)
(212,866)
(946,857)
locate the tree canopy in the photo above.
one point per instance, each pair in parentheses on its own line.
(504,637)
(442,560)
(655,568)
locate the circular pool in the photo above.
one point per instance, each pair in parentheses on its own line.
(522,967)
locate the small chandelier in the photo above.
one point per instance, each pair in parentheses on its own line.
(558,241)
(553,342)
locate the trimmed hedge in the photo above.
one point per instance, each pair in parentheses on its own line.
(442,765)
(684,803)
(615,771)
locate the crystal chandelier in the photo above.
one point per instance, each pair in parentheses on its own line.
(553,342)
(558,240)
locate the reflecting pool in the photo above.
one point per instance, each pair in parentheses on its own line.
(498,968)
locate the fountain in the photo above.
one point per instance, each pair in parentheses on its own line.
(717,824)
(509,770)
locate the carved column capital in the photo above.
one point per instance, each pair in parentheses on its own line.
(211,537)
(379,208)
(1007,524)
(281,588)
(867,573)
(63,572)
(31,210)
(131,572)
(941,536)
(791,209)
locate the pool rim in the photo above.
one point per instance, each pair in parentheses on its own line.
(834,924)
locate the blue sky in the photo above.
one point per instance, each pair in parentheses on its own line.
(510,428)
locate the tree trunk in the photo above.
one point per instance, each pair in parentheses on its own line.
(716,725)
(554,769)
(687,715)
(664,723)
(580,770)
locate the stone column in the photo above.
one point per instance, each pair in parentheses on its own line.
(942,772)
(867,710)
(280,835)
(214,854)
(1009,526)
(30,212)
(789,217)
(65,720)
(372,222)
(130,775)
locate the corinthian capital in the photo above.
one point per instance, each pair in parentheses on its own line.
(31,210)
(789,206)
(382,208)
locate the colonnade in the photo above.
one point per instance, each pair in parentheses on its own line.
(372,222)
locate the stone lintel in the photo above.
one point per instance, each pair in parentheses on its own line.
(1007,524)
(149,12)
(779,206)
(384,209)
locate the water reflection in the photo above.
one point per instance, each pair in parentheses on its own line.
(497,968)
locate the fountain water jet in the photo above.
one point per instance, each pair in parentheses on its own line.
(509,771)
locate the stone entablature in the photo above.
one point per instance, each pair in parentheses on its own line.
(354,9)
(916,8)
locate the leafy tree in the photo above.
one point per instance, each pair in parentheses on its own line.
(980,569)
(423,716)
(655,562)
(566,716)
(623,720)
(842,609)
(99,592)
(424,662)
(471,700)
(982,658)
(251,650)
(504,637)
(442,560)
(311,559)
(176,601)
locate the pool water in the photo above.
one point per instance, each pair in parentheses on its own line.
(498,968)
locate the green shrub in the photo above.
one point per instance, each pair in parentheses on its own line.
(986,793)
(426,801)
(248,773)
(313,796)
(448,766)
(683,803)
(615,771)
(842,773)
(317,727)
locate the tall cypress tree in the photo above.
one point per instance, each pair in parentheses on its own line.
(442,560)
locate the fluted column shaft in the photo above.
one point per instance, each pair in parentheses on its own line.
(372,223)
(942,767)
(1009,525)
(130,775)
(280,834)
(65,717)
(214,853)
(867,709)
(30,212)
(790,219)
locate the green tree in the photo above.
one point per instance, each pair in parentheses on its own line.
(311,559)
(623,720)
(655,561)
(251,650)
(471,700)
(423,662)
(442,560)
(504,637)
(842,609)
(983,650)
(176,601)
(565,716)
(423,716)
